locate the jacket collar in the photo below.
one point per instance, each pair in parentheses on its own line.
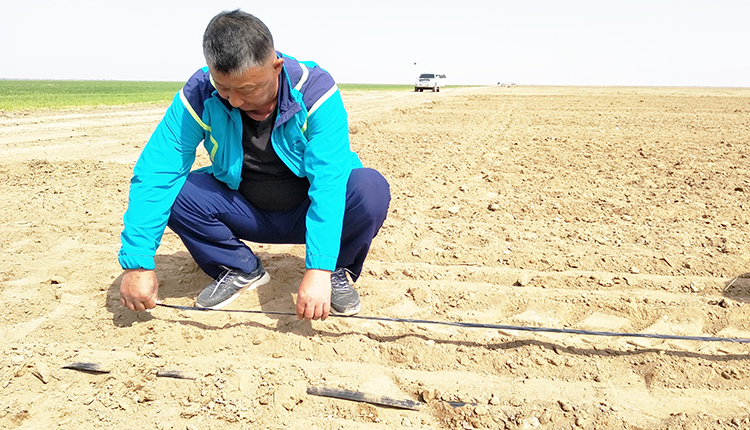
(286,104)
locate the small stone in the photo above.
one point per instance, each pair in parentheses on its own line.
(546,417)
(454,209)
(123,404)
(41,371)
(277,354)
(428,395)
(305,344)
(524,280)
(565,406)
(481,410)
(493,207)
(405,422)
(288,398)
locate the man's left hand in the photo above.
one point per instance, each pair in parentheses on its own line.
(314,297)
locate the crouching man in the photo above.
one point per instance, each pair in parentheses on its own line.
(281,171)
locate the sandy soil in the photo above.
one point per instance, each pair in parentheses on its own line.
(614,209)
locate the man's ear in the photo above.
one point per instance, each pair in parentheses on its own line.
(277,63)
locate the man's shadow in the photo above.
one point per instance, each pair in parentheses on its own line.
(181,280)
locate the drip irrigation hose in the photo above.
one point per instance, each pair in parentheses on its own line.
(478,325)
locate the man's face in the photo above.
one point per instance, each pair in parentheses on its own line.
(254,90)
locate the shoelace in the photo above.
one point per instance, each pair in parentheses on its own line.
(339,283)
(220,281)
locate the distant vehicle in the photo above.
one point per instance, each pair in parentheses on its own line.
(429,81)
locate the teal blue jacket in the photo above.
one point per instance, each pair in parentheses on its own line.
(310,135)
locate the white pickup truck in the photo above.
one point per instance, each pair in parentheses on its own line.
(429,81)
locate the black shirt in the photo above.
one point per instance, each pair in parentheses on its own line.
(267,183)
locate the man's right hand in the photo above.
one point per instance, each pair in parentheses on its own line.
(139,289)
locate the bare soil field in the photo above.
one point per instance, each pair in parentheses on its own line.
(605,209)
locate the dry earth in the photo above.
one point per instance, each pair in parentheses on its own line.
(611,209)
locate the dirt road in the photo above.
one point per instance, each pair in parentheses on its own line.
(608,209)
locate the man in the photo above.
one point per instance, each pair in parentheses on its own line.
(281,171)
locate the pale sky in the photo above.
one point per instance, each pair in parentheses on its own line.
(530,42)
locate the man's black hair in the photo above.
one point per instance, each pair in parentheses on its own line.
(235,41)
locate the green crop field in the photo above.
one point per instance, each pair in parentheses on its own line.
(38,94)
(17,95)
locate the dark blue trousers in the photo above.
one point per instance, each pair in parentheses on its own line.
(211,218)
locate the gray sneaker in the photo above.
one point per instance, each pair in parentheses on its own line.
(228,286)
(344,298)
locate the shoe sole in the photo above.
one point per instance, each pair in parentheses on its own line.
(347,313)
(251,286)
